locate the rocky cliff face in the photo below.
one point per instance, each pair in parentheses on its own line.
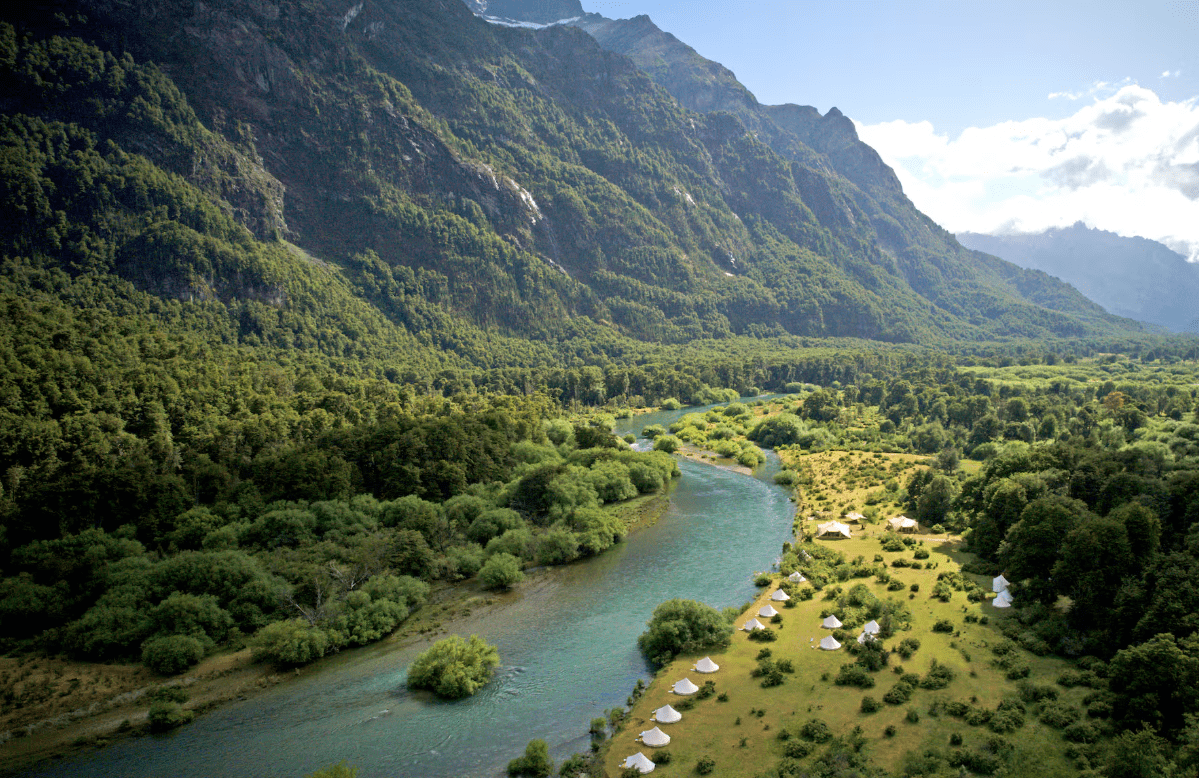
(537,11)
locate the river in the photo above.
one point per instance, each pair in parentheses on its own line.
(567,646)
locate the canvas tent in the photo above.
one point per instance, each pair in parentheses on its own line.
(854,518)
(767,611)
(903,524)
(866,636)
(640,761)
(684,687)
(666,715)
(753,624)
(999,583)
(829,643)
(1004,600)
(655,737)
(796,577)
(832,622)
(832,530)
(706,665)
(871,628)
(780,596)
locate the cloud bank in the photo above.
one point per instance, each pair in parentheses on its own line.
(1127,162)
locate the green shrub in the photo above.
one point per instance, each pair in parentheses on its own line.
(907,647)
(913,716)
(678,626)
(705,765)
(172,654)
(764,635)
(816,730)
(797,749)
(977,717)
(1081,732)
(660,756)
(292,642)
(453,667)
(854,675)
(938,677)
(500,572)
(339,770)
(164,716)
(943,625)
(666,443)
(870,705)
(1059,715)
(535,762)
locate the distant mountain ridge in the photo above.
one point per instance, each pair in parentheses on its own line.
(1134,277)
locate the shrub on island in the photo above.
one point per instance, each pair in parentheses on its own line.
(454,668)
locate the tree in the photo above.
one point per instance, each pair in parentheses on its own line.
(936,499)
(292,642)
(1095,558)
(1156,683)
(172,654)
(454,668)
(500,572)
(535,762)
(683,625)
(1033,545)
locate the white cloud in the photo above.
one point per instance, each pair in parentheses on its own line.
(1126,162)
(1171,73)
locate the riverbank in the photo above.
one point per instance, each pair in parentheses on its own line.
(68,707)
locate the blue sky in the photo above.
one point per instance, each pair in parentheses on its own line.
(964,98)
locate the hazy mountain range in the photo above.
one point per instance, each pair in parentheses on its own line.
(1134,277)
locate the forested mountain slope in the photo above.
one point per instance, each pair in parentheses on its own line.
(855,195)
(452,175)
(1134,277)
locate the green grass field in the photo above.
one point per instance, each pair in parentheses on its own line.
(742,734)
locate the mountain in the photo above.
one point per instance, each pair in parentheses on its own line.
(1134,277)
(407,181)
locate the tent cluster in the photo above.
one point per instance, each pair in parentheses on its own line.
(656,738)
(1004,599)
(869,632)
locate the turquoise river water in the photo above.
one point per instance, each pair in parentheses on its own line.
(567,644)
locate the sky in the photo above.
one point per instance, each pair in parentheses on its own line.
(997,117)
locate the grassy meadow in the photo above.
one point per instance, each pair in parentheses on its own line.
(746,728)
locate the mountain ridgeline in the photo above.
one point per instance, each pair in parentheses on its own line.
(1134,277)
(352,176)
